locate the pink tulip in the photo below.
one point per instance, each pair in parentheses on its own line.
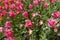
(10,38)
(5,1)
(56,14)
(35,2)
(25,14)
(19,4)
(30,6)
(58,0)
(12,14)
(8,24)
(40,0)
(20,7)
(29,23)
(46,5)
(1,29)
(7,6)
(4,13)
(8,33)
(11,1)
(0,13)
(52,22)
(12,6)
(1,8)
(52,1)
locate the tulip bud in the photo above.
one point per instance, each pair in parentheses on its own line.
(55,30)
(21,25)
(41,22)
(30,31)
(1,29)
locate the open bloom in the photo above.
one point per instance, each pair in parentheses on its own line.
(8,33)
(12,14)
(55,29)
(35,2)
(8,24)
(52,22)
(5,1)
(20,6)
(56,14)
(25,14)
(1,29)
(1,8)
(12,6)
(7,6)
(4,13)
(29,23)
(46,5)
(11,1)
(30,6)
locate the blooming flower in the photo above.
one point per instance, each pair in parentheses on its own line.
(9,33)
(56,14)
(4,13)
(11,1)
(30,6)
(29,23)
(1,29)
(58,0)
(7,6)
(52,22)
(5,1)
(25,14)
(1,8)
(46,5)
(20,6)
(35,2)
(8,24)
(12,14)
(12,6)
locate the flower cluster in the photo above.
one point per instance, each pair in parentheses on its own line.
(17,15)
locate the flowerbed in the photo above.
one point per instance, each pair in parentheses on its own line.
(29,19)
